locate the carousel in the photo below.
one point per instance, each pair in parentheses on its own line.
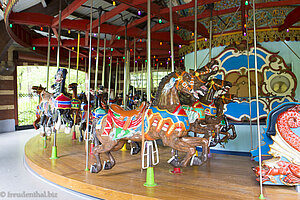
(182,139)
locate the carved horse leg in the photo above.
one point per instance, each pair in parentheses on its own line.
(111,162)
(178,144)
(228,136)
(36,122)
(107,144)
(82,127)
(233,136)
(197,141)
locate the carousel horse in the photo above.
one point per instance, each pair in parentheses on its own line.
(206,113)
(165,120)
(38,90)
(101,99)
(83,114)
(216,125)
(94,114)
(75,102)
(54,107)
(75,105)
(61,103)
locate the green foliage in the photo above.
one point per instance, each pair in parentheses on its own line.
(26,108)
(29,76)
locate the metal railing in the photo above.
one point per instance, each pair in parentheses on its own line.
(27,104)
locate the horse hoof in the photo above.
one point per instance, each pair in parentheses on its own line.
(213,144)
(107,165)
(174,162)
(94,169)
(196,161)
(37,126)
(42,134)
(135,150)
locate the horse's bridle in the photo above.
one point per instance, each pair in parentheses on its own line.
(197,74)
(214,84)
(225,98)
(189,86)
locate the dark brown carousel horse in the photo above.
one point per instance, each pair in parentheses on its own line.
(216,125)
(220,103)
(165,120)
(206,112)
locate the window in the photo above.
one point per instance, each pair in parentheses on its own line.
(139,79)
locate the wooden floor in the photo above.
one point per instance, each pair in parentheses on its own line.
(222,177)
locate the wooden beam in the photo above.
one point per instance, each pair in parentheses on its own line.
(37,19)
(132,24)
(156,27)
(292,18)
(108,15)
(187,5)
(68,10)
(56,35)
(155,10)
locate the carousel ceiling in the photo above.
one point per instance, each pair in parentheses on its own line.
(28,21)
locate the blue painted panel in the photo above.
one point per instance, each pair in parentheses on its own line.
(225,55)
(275,104)
(235,63)
(219,76)
(261,53)
(237,109)
(269,74)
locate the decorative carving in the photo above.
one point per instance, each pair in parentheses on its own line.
(263,35)
(282,141)
(277,83)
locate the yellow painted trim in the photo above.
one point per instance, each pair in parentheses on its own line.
(6,92)
(240,32)
(6,78)
(7,107)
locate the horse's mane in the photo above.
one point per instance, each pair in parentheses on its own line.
(161,86)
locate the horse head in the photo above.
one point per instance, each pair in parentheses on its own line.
(72,86)
(38,89)
(188,84)
(204,73)
(176,83)
(60,75)
(219,87)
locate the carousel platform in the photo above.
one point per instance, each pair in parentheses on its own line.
(222,177)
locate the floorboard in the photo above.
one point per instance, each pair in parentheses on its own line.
(222,177)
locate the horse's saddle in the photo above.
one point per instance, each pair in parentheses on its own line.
(127,115)
(75,104)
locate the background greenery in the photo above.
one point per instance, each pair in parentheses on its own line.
(29,76)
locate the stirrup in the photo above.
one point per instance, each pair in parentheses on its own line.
(148,149)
